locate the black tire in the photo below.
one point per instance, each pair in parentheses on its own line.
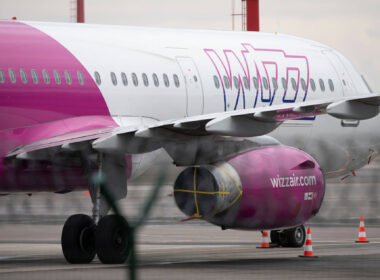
(111,240)
(295,237)
(275,237)
(283,239)
(77,239)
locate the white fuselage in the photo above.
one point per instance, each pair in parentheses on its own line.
(223,71)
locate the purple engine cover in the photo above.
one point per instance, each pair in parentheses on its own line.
(281,187)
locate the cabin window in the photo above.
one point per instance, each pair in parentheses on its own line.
(97,78)
(245,82)
(1,76)
(294,84)
(68,78)
(255,83)
(57,77)
(265,82)
(344,82)
(145,79)
(195,78)
(166,80)
(176,80)
(113,78)
(322,84)
(284,84)
(331,85)
(303,84)
(80,78)
(226,82)
(124,79)
(274,82)
(34,76)
(24,79)
(45,74)
(12,75)
(312,84)
(236,82)
(155,80)
(216,82)
(135,79)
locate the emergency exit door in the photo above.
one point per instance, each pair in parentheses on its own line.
(194,91)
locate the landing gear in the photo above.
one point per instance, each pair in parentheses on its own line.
(78,239)
(294,237)
(105,235)
(82,239)
(111,240)
(275,237)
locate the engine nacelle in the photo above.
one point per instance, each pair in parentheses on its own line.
(270,188)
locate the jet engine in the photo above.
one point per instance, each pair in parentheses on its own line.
(269,188)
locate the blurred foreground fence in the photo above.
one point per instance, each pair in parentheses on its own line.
(345,201)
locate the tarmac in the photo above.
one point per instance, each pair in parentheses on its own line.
(195,250)
(30,230)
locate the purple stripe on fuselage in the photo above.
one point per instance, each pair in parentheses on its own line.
(33,111)
(25,104)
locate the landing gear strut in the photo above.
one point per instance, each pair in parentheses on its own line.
(294,237)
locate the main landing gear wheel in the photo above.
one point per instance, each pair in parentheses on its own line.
(77,240)
(275,237)
(111,240)
(294,237)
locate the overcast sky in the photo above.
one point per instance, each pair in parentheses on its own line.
(350,26)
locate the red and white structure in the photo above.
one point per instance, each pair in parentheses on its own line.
(77,11)
(308,247)
(362,237)
(250,15)
(264,240)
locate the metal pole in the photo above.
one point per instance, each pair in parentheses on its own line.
(233,14)
(253,16)
(80,11)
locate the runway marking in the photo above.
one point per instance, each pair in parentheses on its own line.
(196,255)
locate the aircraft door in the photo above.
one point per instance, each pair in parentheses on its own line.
(193,85)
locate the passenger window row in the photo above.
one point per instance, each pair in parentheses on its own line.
(135,79)
(35,78)
(266,83)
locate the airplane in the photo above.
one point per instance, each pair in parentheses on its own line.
(258,121)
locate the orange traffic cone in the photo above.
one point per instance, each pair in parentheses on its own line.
(308,247)
(362,238)
(264,240)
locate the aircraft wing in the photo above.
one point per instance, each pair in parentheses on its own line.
(205,138)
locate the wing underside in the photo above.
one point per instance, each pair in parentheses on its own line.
(201,139)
